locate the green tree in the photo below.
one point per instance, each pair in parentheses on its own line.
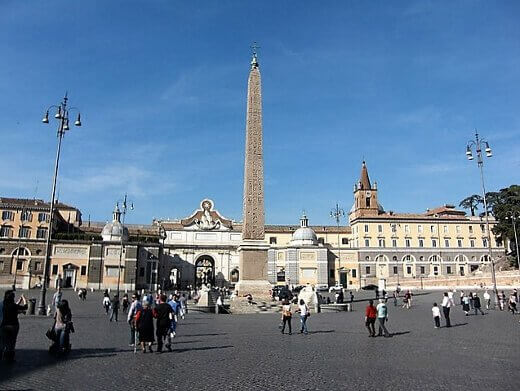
(503,204)
(472,202)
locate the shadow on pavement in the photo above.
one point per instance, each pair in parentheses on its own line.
(203,348)
(400,333)
(457,325)
(201,335)
(28,360)
(322,331)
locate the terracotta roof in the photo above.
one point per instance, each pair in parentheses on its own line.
(6,202)
(445,210)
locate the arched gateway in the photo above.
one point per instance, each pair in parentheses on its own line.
(205,271)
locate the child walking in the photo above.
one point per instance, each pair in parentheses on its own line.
(436,312)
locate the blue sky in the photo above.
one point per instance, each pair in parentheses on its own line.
(162,90)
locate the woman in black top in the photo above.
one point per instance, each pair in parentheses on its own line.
(10,325)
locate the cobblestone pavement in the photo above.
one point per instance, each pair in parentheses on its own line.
(247,352)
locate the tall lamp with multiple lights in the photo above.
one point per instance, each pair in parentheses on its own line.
(62,115)
(479,144)
(337,213)
(125,207)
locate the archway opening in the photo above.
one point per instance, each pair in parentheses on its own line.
(204,271)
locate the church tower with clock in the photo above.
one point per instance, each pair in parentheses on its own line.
(365,197)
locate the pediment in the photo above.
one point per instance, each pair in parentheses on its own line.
(207,219)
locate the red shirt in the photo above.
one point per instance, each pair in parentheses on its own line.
(370,312)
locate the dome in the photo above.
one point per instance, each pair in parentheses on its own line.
(113,231)
(304,236)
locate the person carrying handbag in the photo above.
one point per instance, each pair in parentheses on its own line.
(286,316)
(304,315)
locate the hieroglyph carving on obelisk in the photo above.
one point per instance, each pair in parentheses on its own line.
(253,225)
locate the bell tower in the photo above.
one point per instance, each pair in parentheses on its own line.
(365,196)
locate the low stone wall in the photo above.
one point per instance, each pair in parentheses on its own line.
(505,280)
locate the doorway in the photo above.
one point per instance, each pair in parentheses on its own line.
(205,271)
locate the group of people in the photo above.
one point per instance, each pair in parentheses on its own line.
(141,317)
(287,313)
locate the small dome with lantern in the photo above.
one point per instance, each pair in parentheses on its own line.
(114,231)
(304,236)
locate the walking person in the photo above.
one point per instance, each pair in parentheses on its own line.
(175,304)
(370,318)
(56,298)
(465,305)
(286,316)
(382,317)
(124,303)
(512,303)
(436,312)
(144,325)
(163,312)
(487,299)
(114,304)
(471,301)
(106,303)
(304,315)
(477,304)
(62,326)
(501,300)
(184,306)
(461,297)
(10,326)
(396,295)
(135,307)
(446,306)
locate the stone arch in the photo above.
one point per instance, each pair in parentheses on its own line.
(381,258)
(234,275)
(408,258)
(435,258)
(205,270)
(461,258)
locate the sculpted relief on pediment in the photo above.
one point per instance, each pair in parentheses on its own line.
(206,218)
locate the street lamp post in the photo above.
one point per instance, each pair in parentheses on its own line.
(337,213)
(480,144)
(62,115)
(124,209)
(513,216)
(162,236)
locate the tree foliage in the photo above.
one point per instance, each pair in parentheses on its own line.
(472,202)
(503,204)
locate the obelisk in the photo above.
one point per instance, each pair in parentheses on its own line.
(253,248)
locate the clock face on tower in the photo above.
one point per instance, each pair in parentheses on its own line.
(368,194)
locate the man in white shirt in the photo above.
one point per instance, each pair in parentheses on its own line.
(382,317)
(447,303)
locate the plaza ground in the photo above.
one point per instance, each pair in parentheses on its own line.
(248,352)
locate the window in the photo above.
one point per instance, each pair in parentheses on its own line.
(6,231)
(434,258)
(421,242)
(409,269)
(272,240)
(83,270)
(41,233)
(408,258)
(366,228)
(344,240)
(459,242)
(7,215)
(19,265)
(482,227)
(26,216)
(484,242)
(280,275)
(407,242)
(423,270)
(367,258)
(367,201)
(54,269)
(24,232)
(367,242)
(321,240)
(446,229)
(446,243)
(395,269)
(435,270)
(394,227)
(448,270)
(457,228)
(394,257)
(470,229)
(367,270)
(394,242)
(37,266)
(43,217)
(472,243)
(407,228)
(111,271)
(354,273)
(380,228)
(432,229)
(434,243)
(381,243)
(461,270)
(420,228)
(421,258)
